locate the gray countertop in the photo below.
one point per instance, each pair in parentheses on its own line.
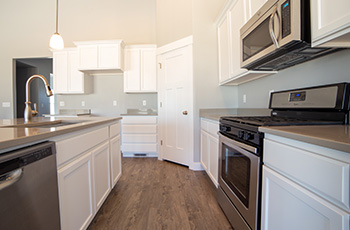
(331,136)
(16,136)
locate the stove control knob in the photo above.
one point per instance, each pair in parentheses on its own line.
(225,129)
(241,134)
(248,136)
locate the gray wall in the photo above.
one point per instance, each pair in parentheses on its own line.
(106,89)
(27,28)
(325,70)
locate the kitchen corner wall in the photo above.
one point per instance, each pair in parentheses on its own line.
(27,28)
(329,69)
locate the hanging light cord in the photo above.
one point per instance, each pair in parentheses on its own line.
(57,16)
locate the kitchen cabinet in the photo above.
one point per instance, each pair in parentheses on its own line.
(304,186)
(67,78)
(140,136)
(233,16)
(140,74)
(330,23)
(116,161)
(252,6)
(101,172)
(101,57)
(85,160)
(210,148)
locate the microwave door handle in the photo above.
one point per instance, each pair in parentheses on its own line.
(271,27)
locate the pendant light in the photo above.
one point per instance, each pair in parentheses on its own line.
(56,41)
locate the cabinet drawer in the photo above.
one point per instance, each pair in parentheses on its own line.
(114,130)
(210,127)
(69,148)
(325,176)
(140,120)
(139,138)
(139,148)
(139,129)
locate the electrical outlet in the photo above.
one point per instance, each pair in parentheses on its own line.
(82,103)
(115,103)
(244,98)
(144,102)
(62,104)
(6,104)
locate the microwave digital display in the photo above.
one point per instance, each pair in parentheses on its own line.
(286,18)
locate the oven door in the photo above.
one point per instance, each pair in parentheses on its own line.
(275,25)
(239,170)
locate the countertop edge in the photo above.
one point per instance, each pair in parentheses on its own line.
(45,135)
(328,143)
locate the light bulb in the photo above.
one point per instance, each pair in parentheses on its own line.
(56,42)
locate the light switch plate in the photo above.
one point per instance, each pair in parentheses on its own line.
(62,104)
(144,102)
(6,104)
(115,103)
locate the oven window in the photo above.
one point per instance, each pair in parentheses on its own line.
(257,40)
(235,172)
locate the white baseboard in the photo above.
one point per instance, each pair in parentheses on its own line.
(196,166)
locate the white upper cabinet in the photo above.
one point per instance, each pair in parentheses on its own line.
(330,23)
(140,75)
(101,57)
(234,15)
(252,6)
(67,78)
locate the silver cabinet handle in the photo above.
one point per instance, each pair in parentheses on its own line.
(184,112)
(10,178)
(271,27)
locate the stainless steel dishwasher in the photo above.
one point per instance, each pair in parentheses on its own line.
(28,188)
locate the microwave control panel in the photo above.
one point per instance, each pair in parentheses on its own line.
(286,18)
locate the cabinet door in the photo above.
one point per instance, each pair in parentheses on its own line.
(252,6)
(88,56)
(148,70)
(224,50)
(60,72)
(101,172)
(204,150)
(132,70)
(330,23)
(76,78)
(238,17)
(213,158)
(288,206)
(76,194)
(108,56)
(116,161)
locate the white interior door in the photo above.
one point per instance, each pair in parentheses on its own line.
(176,99)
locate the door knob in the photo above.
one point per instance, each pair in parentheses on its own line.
(184,112)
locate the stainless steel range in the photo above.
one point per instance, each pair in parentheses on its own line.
(241,144)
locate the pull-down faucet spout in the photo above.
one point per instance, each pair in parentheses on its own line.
(28,112)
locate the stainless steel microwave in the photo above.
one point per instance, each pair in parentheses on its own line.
(279,36)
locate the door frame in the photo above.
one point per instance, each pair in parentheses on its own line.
(187,41)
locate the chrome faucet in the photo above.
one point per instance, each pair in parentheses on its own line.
(28,112)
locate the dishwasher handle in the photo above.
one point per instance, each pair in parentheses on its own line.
(10,178)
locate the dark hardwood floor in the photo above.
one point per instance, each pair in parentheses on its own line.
(153,194)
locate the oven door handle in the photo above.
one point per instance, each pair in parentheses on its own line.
(239,144)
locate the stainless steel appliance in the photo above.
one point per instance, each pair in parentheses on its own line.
(28,188)
(241,144)
(279,36)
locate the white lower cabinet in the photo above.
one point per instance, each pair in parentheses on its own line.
(116,161)
(101,169)
(76,193)
(288,206)
(89,163)
(305,187)
(210,148)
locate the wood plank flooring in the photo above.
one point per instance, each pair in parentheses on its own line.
(153,194)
